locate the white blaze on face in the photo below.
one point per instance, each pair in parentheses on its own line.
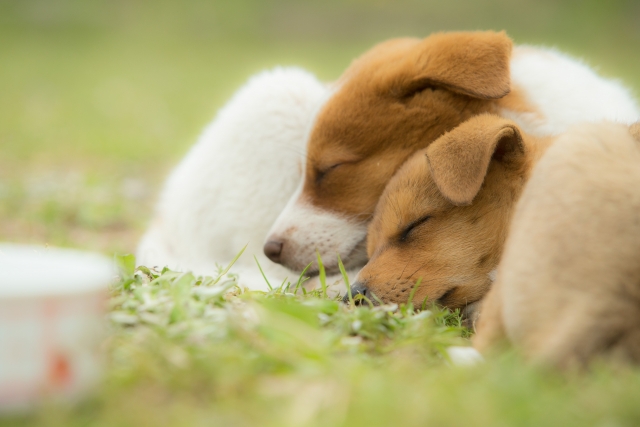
(304,229)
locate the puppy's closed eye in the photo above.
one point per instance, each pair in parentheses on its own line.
(404,235)
(320,174)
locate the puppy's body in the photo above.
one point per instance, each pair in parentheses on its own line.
(568,285)
(397,99)
(557,92)
(233,183)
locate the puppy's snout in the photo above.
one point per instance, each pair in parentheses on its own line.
(273,250)
(357,288)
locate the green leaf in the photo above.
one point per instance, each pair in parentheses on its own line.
(127,263)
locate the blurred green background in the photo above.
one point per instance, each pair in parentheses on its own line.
(99,98)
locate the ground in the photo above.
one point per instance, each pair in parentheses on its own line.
(99,100)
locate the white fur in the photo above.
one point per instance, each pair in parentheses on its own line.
(229,189)
(331,234)
(562,92)
(231,186)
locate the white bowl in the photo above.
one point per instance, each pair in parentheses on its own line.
(52,305)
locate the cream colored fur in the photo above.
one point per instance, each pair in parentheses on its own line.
(568,286)
(235,180)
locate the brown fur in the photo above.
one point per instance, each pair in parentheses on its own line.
(568,287)
(467,183)
(394,100)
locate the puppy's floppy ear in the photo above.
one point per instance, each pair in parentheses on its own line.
(475,64)
(459,160)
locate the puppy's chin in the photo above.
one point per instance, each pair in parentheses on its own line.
(463,292)
(354,259)
(357,257)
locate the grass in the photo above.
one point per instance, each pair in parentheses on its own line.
(99,100)
(185,350)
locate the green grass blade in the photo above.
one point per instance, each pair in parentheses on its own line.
(376,299)
(345,277)
(233,261)
(262,272)
(413,292)
(281,288)
(322,275)
(424,303)
(301,278)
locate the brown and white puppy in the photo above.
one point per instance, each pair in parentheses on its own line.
(398,98)
(392,101)
(443,218)
(568,286)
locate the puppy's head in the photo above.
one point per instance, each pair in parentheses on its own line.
(443,218)
(395,99)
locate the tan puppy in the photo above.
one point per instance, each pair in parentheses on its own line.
(568,286)
(443,217)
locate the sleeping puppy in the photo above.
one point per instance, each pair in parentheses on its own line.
(228,190)
(568,286)
(398,98)
(442,219)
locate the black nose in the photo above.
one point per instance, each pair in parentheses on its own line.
(273,250)
(357,288)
